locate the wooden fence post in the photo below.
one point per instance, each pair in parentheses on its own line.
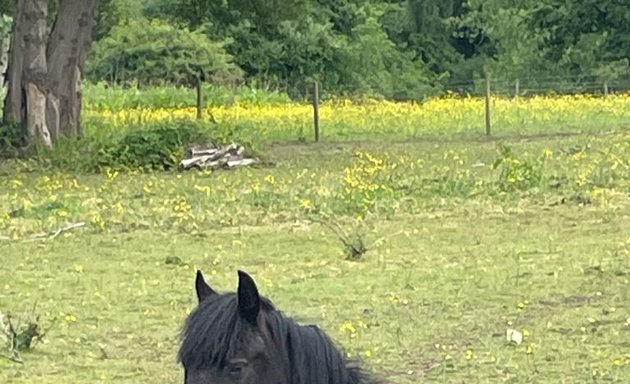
(517,88)
(605,88)
(488,111)
(199,97)
(316,110)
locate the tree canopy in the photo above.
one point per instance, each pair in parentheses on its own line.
(154,51)
(400,49)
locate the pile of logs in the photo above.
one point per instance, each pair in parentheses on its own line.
(229,156)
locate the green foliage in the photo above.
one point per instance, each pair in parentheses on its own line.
(293,54)
(7,7)
(104,96)
(110,13)
(552,44)
(513,49)
(146,147)
(588,38)
(404,49)
(373,65)
(341,44)
(429,32)
(143,146)
(156,148)
(517,173)
(365,181)
(155,52)
(6,22)
(11,138)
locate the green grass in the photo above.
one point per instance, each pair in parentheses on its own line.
(462,253)
(103,96)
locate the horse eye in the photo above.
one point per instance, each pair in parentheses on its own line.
(236,367)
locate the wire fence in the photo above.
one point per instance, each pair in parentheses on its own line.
(507,107)
(561,85)
(531,86)
(494,107)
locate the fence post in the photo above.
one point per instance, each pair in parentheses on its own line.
(517,88)
(605,88)
(488,111)
(316,110)
(199,97)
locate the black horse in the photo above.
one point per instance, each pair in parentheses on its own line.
(242,338)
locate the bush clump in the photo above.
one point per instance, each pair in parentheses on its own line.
(158,147)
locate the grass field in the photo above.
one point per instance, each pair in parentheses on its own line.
(368,120)
(467,238)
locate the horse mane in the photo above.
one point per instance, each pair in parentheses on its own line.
(214,331)
(313,357)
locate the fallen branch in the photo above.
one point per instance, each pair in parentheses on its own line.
(380,240)
(15,358)
(48,235)
(59,231)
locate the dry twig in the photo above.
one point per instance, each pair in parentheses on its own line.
(49,235)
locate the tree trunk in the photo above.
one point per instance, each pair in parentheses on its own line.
(45,72)
(4,55)
(34,17)
(14,102)
(68,47)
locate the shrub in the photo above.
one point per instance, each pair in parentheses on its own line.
(517,173)
(157,147)
(154,52)
(145,145)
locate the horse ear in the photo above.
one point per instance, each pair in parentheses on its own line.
(248,298)
(202,288)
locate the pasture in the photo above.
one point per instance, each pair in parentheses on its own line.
(466,238)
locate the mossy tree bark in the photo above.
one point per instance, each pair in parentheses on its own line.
(46,68)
